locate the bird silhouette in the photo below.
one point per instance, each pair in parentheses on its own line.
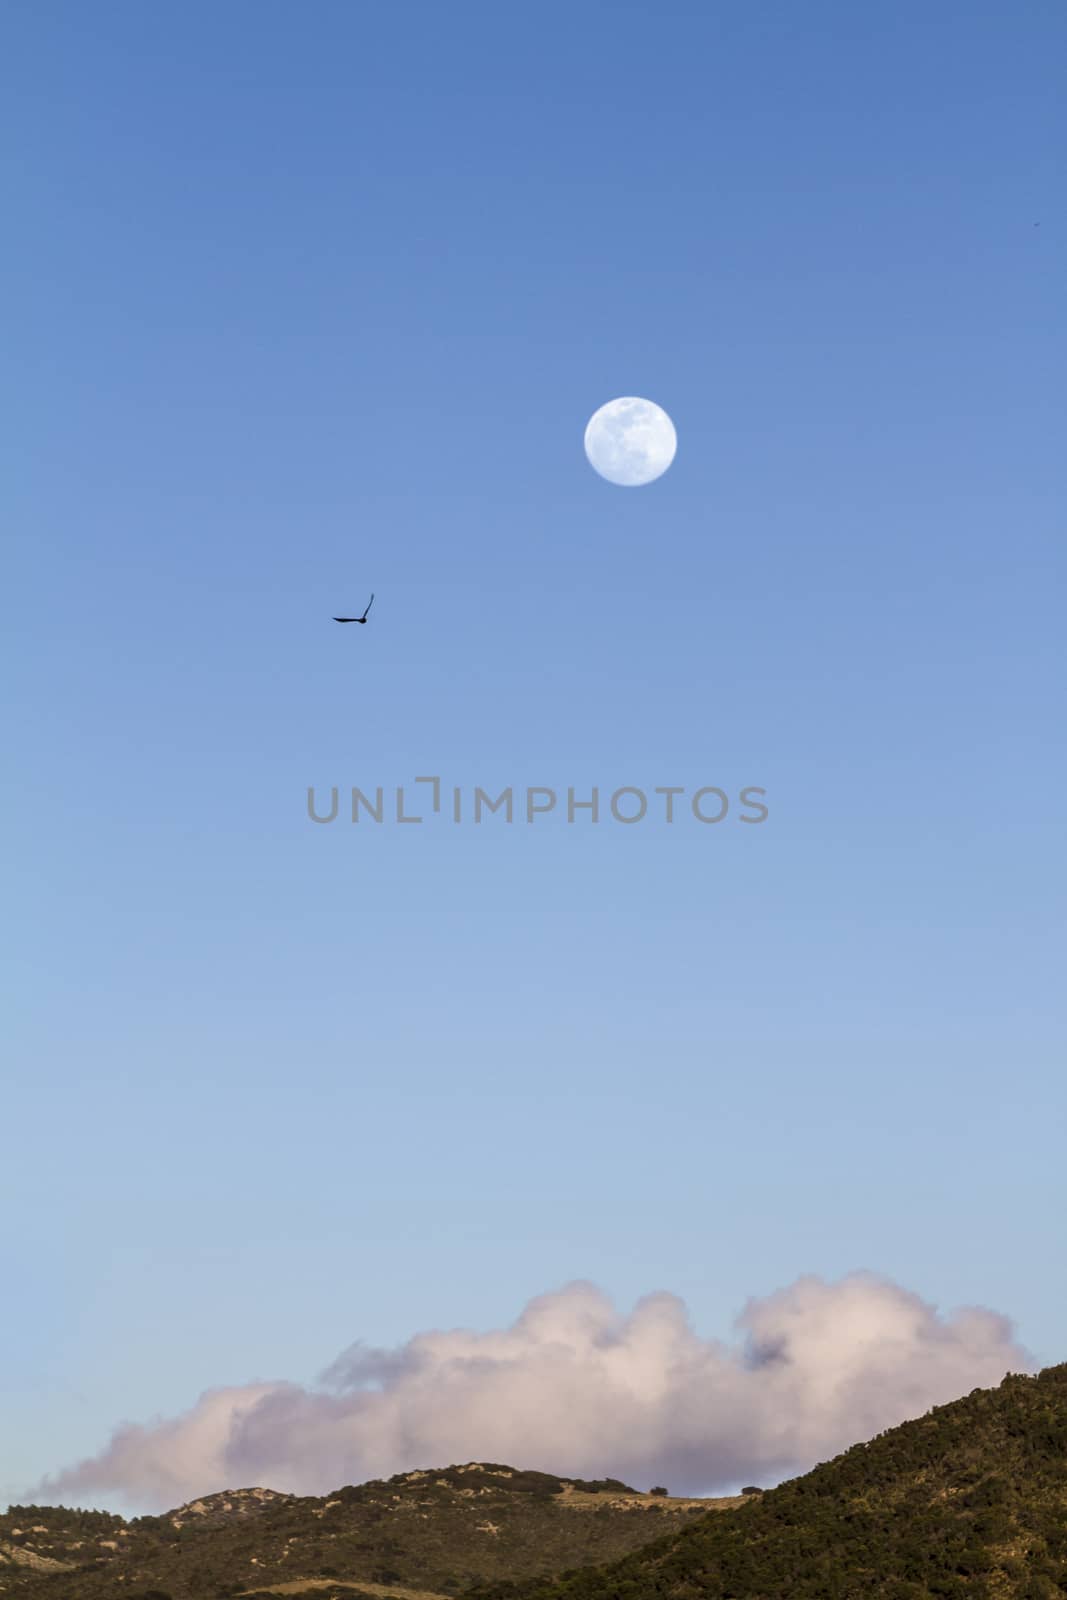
(363,618)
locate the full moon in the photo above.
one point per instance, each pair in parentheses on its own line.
(630,441)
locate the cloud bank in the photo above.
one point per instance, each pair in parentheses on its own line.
(579,1388)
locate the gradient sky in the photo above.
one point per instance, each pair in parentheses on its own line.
(305,302)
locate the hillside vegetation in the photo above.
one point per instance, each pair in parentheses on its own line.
(433,1532)
(969,1501)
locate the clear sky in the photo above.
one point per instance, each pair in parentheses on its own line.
(305,302)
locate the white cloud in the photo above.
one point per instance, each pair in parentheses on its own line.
(577,1387)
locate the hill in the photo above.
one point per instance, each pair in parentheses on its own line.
(967,1502)
(419,1534)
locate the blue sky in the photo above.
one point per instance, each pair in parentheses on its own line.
(309,303)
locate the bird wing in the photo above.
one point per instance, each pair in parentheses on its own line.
(346,619)
(370,602)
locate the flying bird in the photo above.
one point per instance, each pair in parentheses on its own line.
(363,618)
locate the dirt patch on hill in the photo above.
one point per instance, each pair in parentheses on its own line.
(580,1500)
(389,1591)
(19,1555)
